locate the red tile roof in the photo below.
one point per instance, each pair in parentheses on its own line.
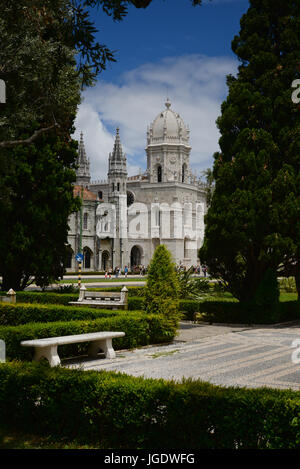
(87,195)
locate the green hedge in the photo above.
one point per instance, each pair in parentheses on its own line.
(14,315)
(232,311)
(123,412)
(64,298)
(140,329)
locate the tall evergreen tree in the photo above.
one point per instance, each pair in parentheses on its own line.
(253,223)
(162,289)
(43,92)
(35,213)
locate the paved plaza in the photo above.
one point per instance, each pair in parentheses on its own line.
(241,356)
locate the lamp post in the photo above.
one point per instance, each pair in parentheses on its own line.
(80,242)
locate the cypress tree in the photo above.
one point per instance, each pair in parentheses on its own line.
(253,223)
(162,288)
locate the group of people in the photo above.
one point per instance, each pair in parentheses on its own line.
(141,269)
(197,269)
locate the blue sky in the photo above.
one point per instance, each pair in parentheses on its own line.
(169,49)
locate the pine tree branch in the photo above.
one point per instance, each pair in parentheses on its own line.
(27,141)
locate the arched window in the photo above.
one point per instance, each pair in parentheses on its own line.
(113,187)
(118,187)
(183,172)
(130,198)
(159,174)
(85,221)
(87,253)
(100,195)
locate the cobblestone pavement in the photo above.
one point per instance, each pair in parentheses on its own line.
(223,355)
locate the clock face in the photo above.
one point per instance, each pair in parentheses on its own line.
(130,198)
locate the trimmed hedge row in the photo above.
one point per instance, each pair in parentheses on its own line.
(140,329)
(235,312)
(123,412)
(223,310)
(16,314)
(232,311)
(65,298)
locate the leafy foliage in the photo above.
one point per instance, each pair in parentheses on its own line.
(253,223)
(126,412)
(162,288)
(189,286)
(38,183)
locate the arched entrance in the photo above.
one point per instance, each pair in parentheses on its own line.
(68,257)
(105,261)
(135,256)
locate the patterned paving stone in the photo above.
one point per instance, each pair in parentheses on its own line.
(224,355)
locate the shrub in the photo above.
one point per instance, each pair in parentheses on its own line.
(46,297)
(119,411)
(247,313)
(16,314)
(53,297)
(189,286)
(135,303)
(288,285)
(162,288)
(140,329)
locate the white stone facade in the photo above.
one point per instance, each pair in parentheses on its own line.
(125,218)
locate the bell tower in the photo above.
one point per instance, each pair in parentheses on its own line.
(117,195)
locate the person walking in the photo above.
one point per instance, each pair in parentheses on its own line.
(126,271)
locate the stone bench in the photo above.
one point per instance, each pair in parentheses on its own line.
(47,348)
(111,300)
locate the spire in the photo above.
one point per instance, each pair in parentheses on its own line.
(117,154)
(117,169)
(83,163)
(117,159)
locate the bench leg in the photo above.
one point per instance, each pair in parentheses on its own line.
(50,353)
(105,345)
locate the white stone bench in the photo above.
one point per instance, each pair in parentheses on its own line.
(103,299)
(47,348)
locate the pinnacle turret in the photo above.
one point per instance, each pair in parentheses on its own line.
(117,168)
(83,163)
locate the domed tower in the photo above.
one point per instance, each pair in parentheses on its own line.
(168,149)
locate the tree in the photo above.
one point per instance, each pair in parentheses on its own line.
(209,184)
(253,223)
(34,234)
(48,54)
(38,38)
(162,288)
(36,194)
(40,41)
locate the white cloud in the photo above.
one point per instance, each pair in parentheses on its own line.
(196,86)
